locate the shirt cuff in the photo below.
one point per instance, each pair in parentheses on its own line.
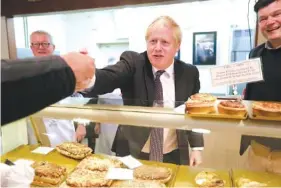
(80,121)
(197,149)
(92,83)
(78,95)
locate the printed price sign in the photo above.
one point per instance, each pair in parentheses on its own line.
(236,73)
(43,150)
(130,161)
(120,174)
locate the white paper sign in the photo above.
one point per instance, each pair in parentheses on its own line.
(130,162)
(42,150)
(23,161)
(235,73)
(119,174)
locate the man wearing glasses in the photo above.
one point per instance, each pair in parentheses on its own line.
(58,131)
(41,44)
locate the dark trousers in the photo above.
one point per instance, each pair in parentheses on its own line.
(172,157)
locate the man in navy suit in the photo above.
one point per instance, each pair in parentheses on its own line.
(135,74)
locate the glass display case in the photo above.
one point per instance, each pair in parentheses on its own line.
(222,165)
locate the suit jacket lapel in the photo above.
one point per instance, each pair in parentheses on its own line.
(149,81)
(179,86)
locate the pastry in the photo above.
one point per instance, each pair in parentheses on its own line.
(244,182)
(209,179)
(48,174)
(201,103)
(74,150)
(87,178)
(267,109)
(99,164)
(151,172)
(232,107)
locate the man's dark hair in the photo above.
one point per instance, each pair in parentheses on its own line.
(261,4)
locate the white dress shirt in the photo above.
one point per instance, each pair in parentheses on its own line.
(168,85)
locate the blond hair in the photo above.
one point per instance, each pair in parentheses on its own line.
(41,32)
(168,22)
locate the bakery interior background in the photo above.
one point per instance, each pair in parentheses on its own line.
(106,33)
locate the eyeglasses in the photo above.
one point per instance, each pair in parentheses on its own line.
(43,44)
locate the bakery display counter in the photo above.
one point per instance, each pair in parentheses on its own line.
(163,117)
(182,176)
(25,155)
(24,152)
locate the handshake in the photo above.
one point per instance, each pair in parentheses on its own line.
(83,67)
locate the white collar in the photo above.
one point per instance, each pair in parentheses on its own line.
(269,46)
(168,71)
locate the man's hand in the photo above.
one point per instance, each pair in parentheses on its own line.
(83,67)
(195,158)
(97,128)
(80,133)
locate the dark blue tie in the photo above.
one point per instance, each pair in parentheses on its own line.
(156,134)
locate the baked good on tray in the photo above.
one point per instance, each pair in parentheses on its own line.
(137,184)
(245,182)
(153,173)
(74,150)
(209,179)
(201,103)
(267,109)
(48,174)
(99,164)
(232,107)
(87,178)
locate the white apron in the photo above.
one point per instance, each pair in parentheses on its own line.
(59,131)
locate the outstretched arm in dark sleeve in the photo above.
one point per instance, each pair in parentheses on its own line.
(28,85)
